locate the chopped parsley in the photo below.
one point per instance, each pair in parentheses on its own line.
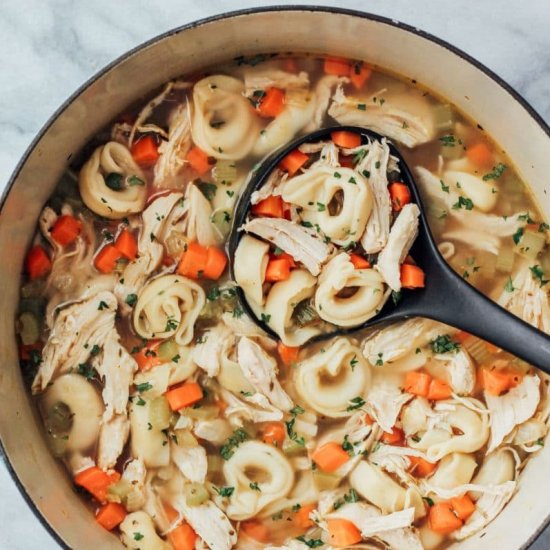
(463,202)
(362,106)
(265,318)
(337,175)
(538,274)
(355,403)
(353,180)
(138,536)
(95,350)
(134,180)
(102,305)
(348,446)
(359,156)
(428,500)
(310,543)
(171,324)
(86,370)
(321,207)
(349,498)
(448,140)
(296,507)
(208,189)
(290,426)
(444,188)
(238,437)
(114,181)
(444,344)
(396,296)
(509,286)
(379,360)
(496,172)
(353,362)
(254,486)
(518,235)
(225,491)
(143,387)
(131,299)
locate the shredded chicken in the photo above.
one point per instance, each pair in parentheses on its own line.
(174,151)
(405,117)
(528,300)
(375,164)
(191,460)
(512,408)
(76,329)
(214,345)
(254,408)
(157,219)
(272,186)
(402,235)
(301,243)
(323,93)
(209,522)
(261,371)
(262,78)
(461,371)
(384,402)
(198,222)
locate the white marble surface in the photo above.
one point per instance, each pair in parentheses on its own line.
(50,47)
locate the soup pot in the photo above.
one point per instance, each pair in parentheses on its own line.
(391,45)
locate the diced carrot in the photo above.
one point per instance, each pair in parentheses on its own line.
(395,437)
(216,261)
(302,519)
(463,506)
(171,513)
(145,151)
(412,276)
(360,75)
(461,336)
(273,433)
(359,262)
(369,420)
(491,348)
(106,259)
(291,65)
(182,537)
(442,520)
(66,230)
(480,154)
(37,262)
(277,270)
(198,160)
(288,354)
(336,66)
(343,533)
(111,515)
(147,357)
(417,383)
(439,390)
(293,161)
(330,456)
(420,467)
(346,139)
(256,530)
(271,103)
(184,395)
(496,380)
(126,244)
(272,207)
(284,255)
(400,195)
(96,482)
(193,261)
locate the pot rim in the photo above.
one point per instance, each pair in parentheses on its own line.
(533,113)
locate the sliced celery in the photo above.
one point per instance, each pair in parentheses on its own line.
(291,447)
(196,494)
(453,152)
(119,491)
(176,243)
(205,412)
(185,438)
(325,481)
(225,171)
(29,329)
(443,117)
(478,350)
(167,350)
(531,244)
(505,260)
(159,413)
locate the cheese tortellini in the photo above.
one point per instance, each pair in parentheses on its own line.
(282,300)
(329,381)
(251,259)
(460,430)
(168,307)
(73,399)
(338,200)
(111,183)
(224,126)
(347,296)
(260,475)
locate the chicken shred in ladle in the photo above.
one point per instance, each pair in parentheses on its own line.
(446,297)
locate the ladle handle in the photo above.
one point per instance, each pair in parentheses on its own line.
(464,307)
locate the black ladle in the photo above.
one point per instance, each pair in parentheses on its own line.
(447,297)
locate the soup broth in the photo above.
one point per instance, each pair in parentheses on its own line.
(184,423)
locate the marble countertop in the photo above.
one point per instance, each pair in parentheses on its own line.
(50,47)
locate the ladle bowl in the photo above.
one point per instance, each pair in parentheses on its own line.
(447,297)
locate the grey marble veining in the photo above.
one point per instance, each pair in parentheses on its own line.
(50,47)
